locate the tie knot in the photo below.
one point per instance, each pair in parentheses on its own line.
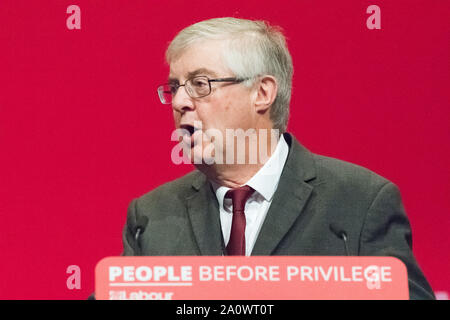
(239,196)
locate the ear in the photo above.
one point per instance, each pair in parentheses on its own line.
(266,92)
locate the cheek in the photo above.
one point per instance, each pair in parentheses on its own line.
(239,110)
(207,115)
(223,111)
(228,106)
(176,118)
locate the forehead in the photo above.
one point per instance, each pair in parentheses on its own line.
(203,58)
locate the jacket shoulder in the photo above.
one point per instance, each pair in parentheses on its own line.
(341,181)
(170,193)
(346,173)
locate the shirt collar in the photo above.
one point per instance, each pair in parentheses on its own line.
(265,181)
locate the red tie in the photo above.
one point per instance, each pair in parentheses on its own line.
(239,196)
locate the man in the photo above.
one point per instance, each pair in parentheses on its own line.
(235,75)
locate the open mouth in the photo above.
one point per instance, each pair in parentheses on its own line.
(189,139)
(190,128)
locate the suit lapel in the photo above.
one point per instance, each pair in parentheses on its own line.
(203,211)
(289,200)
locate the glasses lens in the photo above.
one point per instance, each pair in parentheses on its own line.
(165,93)
(198,87)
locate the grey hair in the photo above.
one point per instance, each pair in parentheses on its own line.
(255,48)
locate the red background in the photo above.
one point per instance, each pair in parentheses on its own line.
(82,131)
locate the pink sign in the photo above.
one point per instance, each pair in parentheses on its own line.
(250,278)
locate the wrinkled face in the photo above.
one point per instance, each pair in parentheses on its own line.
(229,106)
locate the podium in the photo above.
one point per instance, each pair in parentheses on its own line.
(251,278)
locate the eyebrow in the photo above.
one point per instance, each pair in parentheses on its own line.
(200,71)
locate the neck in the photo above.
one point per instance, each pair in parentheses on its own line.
(236,174)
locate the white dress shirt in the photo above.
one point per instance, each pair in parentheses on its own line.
(265,183)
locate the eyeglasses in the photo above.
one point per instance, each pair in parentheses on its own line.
(196,87)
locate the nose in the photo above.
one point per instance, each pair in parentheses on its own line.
(181,101)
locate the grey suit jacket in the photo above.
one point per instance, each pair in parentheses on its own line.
(314,191)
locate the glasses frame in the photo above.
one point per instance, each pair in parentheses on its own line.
(177,86)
